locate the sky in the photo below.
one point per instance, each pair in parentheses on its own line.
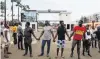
(77,7)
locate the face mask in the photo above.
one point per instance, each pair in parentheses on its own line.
(80,25)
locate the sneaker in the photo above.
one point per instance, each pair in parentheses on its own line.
(83,54)
(22,49)
(99,51)
(31,55)
(62,57)
(6,56)
(56,57)
(95,47)
(71,55)
(47,55)
(40,55)
(89,55)
(24,54)
(9,53)
(79,58)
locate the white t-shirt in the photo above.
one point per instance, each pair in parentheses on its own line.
(8,34)
(93,34)
(88,36)
(47,33)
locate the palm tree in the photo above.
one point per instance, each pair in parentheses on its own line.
(23,7)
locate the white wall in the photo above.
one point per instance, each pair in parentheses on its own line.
(48,16)
(23,25)
(67,20)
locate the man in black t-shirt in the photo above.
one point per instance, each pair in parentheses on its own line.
(28,40)
(61,31)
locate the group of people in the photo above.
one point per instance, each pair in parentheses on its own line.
(80,33)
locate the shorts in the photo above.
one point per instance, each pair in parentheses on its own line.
(61,44)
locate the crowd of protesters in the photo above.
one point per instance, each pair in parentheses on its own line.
(81,33)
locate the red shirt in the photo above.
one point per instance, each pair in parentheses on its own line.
(79,31)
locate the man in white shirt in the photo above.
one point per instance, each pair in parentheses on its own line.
(47,31)
(93,40)
(87,41)
(6,34)
(20,36)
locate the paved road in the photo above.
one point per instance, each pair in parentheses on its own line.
(36,45)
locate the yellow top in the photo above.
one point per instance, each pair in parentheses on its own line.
(13,28)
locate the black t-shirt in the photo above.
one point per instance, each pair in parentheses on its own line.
(61,32)
(28,32)
(98,34)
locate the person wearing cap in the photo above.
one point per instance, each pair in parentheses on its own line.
(28,32)
(98,37)
(46,33)
(78,32)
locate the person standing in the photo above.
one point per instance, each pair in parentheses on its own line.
(1,32)
(1,28)
(6,34)
(28,32)
(47,32)
(98,37)
(87,41)
(20,36)
(78,32)
(15,34)
(94,40)
(61,31)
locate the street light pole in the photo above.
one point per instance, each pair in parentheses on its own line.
(12,10)
(5,14)
(18,13)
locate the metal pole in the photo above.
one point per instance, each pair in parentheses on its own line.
(12,10)
(18,13)
(37,20)
(5,13)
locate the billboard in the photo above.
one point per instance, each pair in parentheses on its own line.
(28,16)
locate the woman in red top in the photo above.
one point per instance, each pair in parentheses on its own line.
(77,34)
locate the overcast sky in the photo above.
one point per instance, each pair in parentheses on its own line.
(77,7)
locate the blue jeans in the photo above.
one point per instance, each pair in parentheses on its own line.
(43,45)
